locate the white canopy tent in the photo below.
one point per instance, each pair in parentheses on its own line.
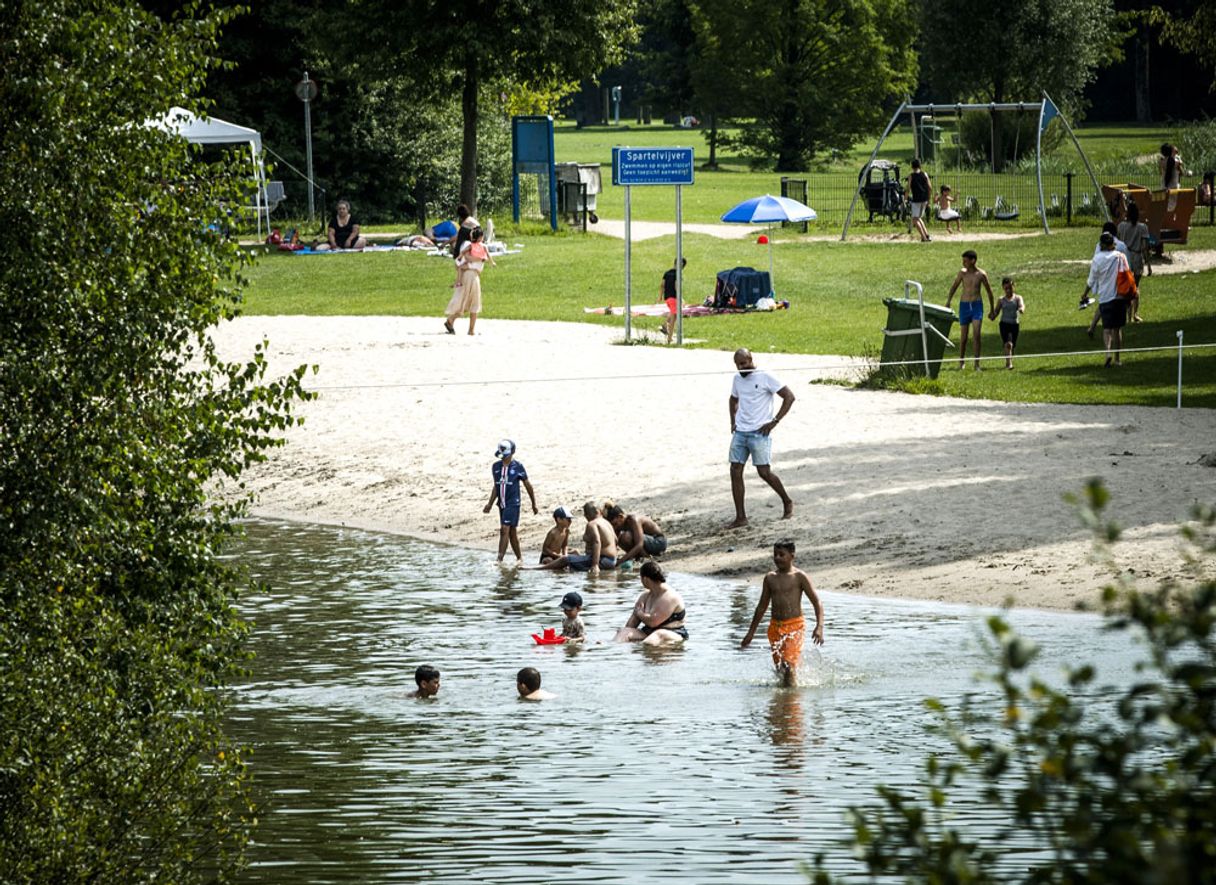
(208,130)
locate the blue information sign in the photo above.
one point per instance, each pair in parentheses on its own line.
(635,166)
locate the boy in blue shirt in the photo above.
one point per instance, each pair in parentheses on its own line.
(508,474)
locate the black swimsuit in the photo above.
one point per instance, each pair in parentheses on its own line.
(675,616)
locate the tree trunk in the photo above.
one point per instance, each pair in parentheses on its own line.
(468,151)
(713,141)
(1140,50)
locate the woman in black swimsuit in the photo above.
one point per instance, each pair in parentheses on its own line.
(658,614)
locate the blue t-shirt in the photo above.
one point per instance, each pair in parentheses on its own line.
(508,481)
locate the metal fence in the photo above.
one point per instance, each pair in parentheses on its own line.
(989,201)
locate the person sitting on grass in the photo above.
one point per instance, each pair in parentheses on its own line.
(343,231)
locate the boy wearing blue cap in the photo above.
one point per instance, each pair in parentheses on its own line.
(508,474)
(572,624)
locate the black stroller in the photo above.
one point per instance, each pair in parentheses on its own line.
(886,196)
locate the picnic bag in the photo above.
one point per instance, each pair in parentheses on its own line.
(1125,284)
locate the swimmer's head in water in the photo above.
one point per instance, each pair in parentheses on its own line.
(425,673)
(427,678)
(505,449)
(528,680)
(651,570)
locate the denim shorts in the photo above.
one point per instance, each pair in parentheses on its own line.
(753,443)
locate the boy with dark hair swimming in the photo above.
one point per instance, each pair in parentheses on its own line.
(783,587)
(427,678)
(527,683)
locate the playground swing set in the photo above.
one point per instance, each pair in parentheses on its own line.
(881,187)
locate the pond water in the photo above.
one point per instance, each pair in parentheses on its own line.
(684,764)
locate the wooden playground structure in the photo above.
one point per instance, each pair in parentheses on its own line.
(1167,213)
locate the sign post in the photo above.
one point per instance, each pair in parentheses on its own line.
(653,167)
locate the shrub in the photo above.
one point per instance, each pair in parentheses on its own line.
(1117,790)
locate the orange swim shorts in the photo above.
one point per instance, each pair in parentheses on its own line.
(785,640)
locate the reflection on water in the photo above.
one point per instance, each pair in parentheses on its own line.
(683,763)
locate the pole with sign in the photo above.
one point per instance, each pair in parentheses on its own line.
(653,167)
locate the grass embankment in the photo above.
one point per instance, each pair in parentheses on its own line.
(835,289)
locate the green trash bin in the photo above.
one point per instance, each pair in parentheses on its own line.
(902,339)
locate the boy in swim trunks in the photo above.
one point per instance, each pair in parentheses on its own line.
(508,475)
(971,304)
(559,536)
(784,586)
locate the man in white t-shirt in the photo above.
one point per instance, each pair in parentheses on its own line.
(751,423)
(1103,281)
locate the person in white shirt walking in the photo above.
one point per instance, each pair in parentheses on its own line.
(1103,282)
(751,424)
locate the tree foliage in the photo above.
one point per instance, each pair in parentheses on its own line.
(1192,29)
(117,626)
(1121,789)
(462,48)
(974,50)
(800,62)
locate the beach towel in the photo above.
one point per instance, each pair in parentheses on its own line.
(785,640)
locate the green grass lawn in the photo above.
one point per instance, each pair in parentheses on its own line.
(835,289)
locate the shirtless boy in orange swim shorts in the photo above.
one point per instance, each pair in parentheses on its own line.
(784,586)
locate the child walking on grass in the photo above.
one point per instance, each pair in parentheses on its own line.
(1010,306)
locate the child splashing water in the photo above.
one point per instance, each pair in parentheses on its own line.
(783,587)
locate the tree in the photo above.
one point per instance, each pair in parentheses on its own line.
(1103,791)
(1193,30)
(800,61)
(979,51)
(462,48)
(713,71)
(118,632)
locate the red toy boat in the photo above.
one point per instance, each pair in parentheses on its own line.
(548,637)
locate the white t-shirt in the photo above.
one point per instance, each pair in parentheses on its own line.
(755,396)
(1102,272)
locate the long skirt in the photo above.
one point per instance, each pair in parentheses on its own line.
(469,292)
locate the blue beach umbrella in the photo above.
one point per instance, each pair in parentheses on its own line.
(768,210)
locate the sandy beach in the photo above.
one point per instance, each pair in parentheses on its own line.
(895,495)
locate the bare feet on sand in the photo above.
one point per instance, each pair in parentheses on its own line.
(788,512)
(740,522)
